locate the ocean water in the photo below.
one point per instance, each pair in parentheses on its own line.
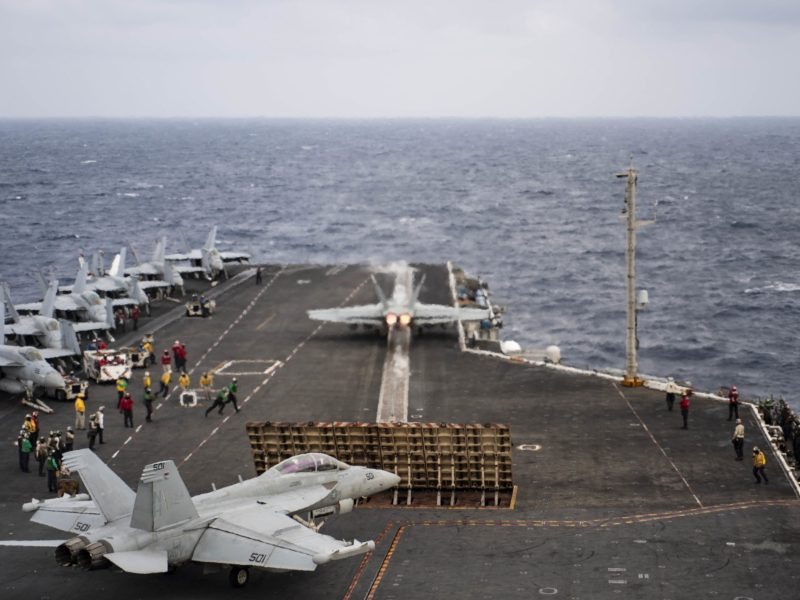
(532,206)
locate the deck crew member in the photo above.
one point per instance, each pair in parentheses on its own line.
(146,380)
(122,387)
(126,408)
(34,435)
(183,382)
(232,389)
(733,403)
(166,377)
(148,403)
(759,462)
(135,314)
(218,401)
(206,381)
(25,450)
(685,408)
(41,455)
(69,440)
(166,361)
(52,470)
(101,422)
(80,412)
(738,440)
(258,275)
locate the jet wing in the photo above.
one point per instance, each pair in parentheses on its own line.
(148,285)
(23,328)
(432,314)
(116,302)
(191,255)
(105,284)
(8,362)
(76,516)
(231,255)
(183,269)
(30,307)
(90,326)
(260,537)
(51,353)
(368,314)
(143,269)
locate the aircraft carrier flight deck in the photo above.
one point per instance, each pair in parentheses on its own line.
(613,498)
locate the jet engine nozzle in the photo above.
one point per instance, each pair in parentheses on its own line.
(405,320)
(92,556)
(67,553)
(391,319)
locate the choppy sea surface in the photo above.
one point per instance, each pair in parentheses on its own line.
(531,206)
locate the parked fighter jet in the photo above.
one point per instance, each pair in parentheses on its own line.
(402,309)
(23,368)
(255,523)
(92,313)
(113,282)
(211,259)
(157,267)
(48,332)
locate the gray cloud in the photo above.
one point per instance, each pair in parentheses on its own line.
(511,58)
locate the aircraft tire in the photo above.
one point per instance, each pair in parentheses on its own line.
(239,576)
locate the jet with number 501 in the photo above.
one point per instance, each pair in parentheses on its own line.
(256,523)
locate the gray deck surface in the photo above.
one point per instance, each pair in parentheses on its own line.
(619,501)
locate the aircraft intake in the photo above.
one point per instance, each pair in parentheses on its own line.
(92,556)
(67,553)
(345,506)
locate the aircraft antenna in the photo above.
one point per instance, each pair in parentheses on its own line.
(632,378)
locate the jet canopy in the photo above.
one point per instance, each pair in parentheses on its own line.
(92,298)
(31,354)
(308,463)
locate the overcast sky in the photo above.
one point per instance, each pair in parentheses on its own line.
(400,58)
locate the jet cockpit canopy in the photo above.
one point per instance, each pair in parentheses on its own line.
(309,463)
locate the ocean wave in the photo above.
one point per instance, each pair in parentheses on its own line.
(774,287)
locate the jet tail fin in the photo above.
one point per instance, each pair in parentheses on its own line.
(69,339)
(80,279)
(417,290)
(379,292)
(110,313)
(112,496)
(211,240)
(49,303)
(7,299)
(162,498)
(39,276)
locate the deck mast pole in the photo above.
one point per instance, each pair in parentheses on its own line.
(631,376)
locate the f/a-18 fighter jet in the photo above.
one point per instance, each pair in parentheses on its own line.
(256,523)
(113,282)
(210,259)
(24,368)
(46,330)
(156,267)
(402,309)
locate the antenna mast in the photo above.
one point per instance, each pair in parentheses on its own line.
(631,378)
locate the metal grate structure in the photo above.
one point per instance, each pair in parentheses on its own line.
(441,457)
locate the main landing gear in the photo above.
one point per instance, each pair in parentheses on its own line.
(239,576)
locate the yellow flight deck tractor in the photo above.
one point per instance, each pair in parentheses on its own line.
(200,306)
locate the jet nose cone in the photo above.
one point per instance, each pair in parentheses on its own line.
(388,480)
(53,380)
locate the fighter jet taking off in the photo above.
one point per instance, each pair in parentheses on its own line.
(402,309)
(252,524)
